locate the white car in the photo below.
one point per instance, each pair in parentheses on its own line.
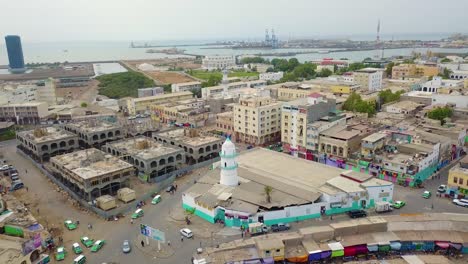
(4,167)
(461,202)
(186,232)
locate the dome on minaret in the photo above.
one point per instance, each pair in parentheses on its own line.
(228,146)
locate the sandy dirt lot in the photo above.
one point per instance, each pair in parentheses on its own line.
(170,77)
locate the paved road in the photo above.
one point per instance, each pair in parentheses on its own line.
(113,232)
(157,216)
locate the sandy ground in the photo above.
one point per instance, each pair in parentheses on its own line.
(169,77)
(80,94)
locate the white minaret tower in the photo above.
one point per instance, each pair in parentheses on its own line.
(228,164)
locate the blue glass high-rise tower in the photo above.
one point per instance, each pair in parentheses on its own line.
(15,54)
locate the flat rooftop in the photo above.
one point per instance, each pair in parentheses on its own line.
(92,126)
(90,163)
(407,105)
(341,132)
(143,148)
(161,96)
(374,137)
(182,136)
(42,135)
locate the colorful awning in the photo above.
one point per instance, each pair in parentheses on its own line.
(442,244)
(395,245)
(456,246)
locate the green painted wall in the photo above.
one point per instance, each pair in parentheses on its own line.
(199,213)
(332,211)
(290,219)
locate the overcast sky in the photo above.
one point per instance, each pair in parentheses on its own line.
(101,20)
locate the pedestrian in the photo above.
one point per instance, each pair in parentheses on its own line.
(181,239)
(176,187)
(242,234)
(131,221)
(77,222)
(26,171)
(169,243)
(142,243)
(89,226)
(27,189)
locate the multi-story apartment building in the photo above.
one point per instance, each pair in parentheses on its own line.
(372,144)
(192,111)
(24,113)
(257,120)
(293,92)
(217,62)
(184,87)
(232,88)
(225,124)
(297,114)
(369,79)
(340,141)
(407,71)
(313,133)
(141,105)
(458,178)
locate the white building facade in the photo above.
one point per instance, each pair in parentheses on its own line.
(271,76)
(218,62)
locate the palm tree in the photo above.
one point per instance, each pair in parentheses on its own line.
(268,191)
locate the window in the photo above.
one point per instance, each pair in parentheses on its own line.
(267,251)
(460,181)
(278,250)
(455,179)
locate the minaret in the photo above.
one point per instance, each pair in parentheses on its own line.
(228,164)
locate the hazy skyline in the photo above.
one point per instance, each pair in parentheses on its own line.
(124,20)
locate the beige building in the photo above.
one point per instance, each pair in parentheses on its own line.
(225,123)
(24,113)
(140,105)
(406,71)
(296,115)
(257,120)
(369,79)
(43,143)
(193,111)
(94,132)
(341,141)
(91,173)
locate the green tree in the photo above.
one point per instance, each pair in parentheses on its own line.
(445,60)
(389,68)
(167,88)
(249,60)
(388,96)
(123,84)
(445,73)
(292,64)
(356,104)
(325,72)
(196,92)
(270,69)
(440,113)
(267,191)
(213,80)
(84,104)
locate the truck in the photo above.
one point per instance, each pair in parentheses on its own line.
(383,207)
(256,229)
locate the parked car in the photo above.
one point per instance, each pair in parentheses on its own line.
(461,202)
(137,214)
(126,248)
(357,213)
(156,199)
(442,188)
(70,225)
(77,248)
(16,185)
(60,254)
(81,259)
(15,177)
(186,232)
(280,227)
(398,204)
(4,167)
(87,242)
(426,194)
(97,245)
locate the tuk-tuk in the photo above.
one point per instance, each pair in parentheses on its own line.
(77,248)
(156,199)
(138,213)
(80,259)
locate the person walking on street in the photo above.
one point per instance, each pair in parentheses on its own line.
(142,243)
(131,221)
(169,243)
(181,239)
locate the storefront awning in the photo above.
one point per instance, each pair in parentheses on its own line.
(395,245)
(442,244)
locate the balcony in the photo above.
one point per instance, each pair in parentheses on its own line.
(230,167)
